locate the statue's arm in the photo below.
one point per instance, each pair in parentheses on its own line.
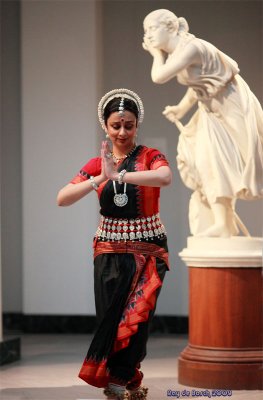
(188,101)
(162,71)
(177,112)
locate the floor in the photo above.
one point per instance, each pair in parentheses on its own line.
(49,367)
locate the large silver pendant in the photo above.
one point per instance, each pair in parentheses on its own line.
(120,199)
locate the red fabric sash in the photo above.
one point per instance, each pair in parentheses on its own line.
(137,247)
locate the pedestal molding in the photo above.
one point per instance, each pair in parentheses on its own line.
(222,355)
(234,252)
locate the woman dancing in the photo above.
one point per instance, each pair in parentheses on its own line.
(130,245)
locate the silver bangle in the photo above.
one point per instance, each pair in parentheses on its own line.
(93,183)
(120,177)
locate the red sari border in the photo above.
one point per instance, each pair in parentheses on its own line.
(129,325)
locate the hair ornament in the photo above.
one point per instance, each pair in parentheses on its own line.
(121,107)
(124,94)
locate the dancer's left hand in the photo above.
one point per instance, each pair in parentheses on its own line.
(108,163)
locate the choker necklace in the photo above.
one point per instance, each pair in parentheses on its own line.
(120,199)
(117,159)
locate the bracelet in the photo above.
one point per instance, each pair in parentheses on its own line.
(120,177)
(93,183)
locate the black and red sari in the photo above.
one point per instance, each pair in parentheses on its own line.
(128,273)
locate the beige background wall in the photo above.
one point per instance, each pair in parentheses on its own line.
(72,52)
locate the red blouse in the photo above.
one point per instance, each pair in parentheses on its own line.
(143,200)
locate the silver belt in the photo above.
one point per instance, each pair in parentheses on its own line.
(117,229)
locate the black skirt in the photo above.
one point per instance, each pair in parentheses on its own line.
(126,289)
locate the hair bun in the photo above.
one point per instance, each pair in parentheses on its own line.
(183,25)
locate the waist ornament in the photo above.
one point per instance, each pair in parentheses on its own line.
(120,229)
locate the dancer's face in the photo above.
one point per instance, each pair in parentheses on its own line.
(122,129)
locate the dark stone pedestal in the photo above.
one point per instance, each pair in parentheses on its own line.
(9,351)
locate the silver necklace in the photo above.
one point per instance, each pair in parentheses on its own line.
(120,199)
(117,159)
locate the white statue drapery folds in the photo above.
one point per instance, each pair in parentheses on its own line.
(220,150)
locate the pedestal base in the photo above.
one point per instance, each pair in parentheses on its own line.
(225,349)
(232,370)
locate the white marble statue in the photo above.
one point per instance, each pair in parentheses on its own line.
(220,150)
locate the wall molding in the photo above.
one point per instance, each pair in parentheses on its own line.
(24,323)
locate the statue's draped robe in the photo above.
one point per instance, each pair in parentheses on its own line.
(220,151)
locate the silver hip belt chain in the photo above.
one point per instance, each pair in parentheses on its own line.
(130,229)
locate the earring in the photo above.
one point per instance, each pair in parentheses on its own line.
(107,136)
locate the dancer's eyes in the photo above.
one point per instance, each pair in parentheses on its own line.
(116,127)
(128,126)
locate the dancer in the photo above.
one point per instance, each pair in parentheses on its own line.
(130,245)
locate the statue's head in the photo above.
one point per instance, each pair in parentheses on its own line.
(165,21)
(162,16)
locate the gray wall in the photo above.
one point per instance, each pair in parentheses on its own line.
(60,83)
(72,52)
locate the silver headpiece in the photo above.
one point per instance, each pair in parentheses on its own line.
(121,107)
(124,94)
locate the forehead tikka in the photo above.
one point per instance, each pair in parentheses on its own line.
(124,94)
(121,107)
